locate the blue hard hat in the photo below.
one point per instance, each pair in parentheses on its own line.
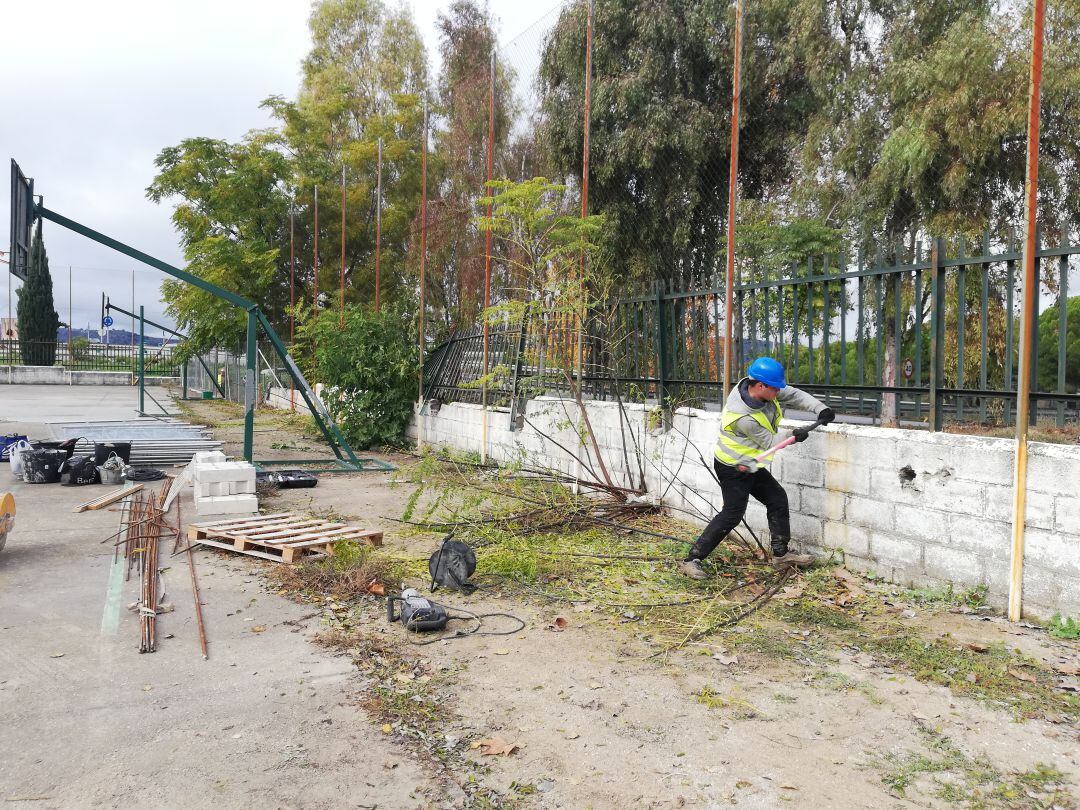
(768,371)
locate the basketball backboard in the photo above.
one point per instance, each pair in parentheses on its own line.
(22,220)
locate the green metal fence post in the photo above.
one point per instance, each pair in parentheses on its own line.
(249,387)
(661,348)
(937,333)
(142,362)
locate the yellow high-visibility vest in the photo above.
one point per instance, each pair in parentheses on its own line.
(729,448)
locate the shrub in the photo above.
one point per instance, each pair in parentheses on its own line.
(369,367)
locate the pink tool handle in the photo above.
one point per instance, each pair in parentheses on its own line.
(785,443)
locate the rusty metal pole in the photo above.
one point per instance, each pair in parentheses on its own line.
(580,304)
(423,298)
(1027,316)
(378,223)
(341,283)
(315,289)
(487,258)
(292,297)
(733,176)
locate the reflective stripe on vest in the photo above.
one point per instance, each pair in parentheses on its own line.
(729,450)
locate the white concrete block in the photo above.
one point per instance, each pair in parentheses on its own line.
(1054,473)
(795,470)
(807,529)
(956,565)
(845,476)
(1067,513)
(1058,553)
(892,550)
(922,523)
(852,539)
(227,505)
(824,503)
(208,457)
(870,512)
(999,506)
(980,536)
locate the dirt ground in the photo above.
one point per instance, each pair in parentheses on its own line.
(602,722)
(330,706)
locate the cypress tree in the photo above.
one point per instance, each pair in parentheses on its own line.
(37,317)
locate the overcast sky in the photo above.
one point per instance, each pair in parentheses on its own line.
(93,90)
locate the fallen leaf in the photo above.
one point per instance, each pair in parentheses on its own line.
(497,746)
(502,651)
(976,647)
(726,660)
(850,580)
(558,625)
(793,591)
(376,588)
(573,735)
(1019,674)
(387,728)
(57,655)
(1067,669)
(258,628)
(595,685)
(788,787)
(742,783)
(474,745)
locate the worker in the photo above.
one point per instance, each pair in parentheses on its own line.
(750,425)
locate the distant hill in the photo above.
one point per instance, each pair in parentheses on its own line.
(117,337)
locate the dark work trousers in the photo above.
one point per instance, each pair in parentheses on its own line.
(737,488)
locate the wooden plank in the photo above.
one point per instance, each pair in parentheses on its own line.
(282,529)
(102,501)
(223,524)
(315,533)
(249,552)
(349,533)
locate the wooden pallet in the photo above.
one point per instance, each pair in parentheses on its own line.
(284,537)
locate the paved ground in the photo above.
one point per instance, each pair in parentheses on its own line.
(67,403)
(89,722)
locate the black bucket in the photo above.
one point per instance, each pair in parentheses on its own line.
(102,451)
(42,466)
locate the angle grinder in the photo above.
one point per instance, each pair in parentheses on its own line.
(417,613)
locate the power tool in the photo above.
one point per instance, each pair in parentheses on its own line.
(417,613)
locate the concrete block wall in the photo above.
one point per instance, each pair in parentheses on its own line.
(58,375)
(917,508)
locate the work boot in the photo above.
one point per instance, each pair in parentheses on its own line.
(791,559)
(692,568)
(783,558)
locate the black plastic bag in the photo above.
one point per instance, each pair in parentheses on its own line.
(78,471)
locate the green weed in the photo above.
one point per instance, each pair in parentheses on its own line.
(1067,628)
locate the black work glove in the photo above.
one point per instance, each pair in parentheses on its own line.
(800,434)
(827,415)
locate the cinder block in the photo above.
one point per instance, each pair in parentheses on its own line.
(224,471)
(869,512)
(1067,514)
(1039,511)
(852,539)
(922,523)
(1053,551)
(954,495)
(956,565)
(227,505)
(846,476)
(1053,474)
(208,457)
(824,503)
(1042,588)
(795,470)
(891,550)
(807,529)
(980,536)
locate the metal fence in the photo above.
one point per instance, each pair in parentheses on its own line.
(929,336)
(82,356)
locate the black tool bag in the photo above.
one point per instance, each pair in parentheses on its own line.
(451,566)
(78,471)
